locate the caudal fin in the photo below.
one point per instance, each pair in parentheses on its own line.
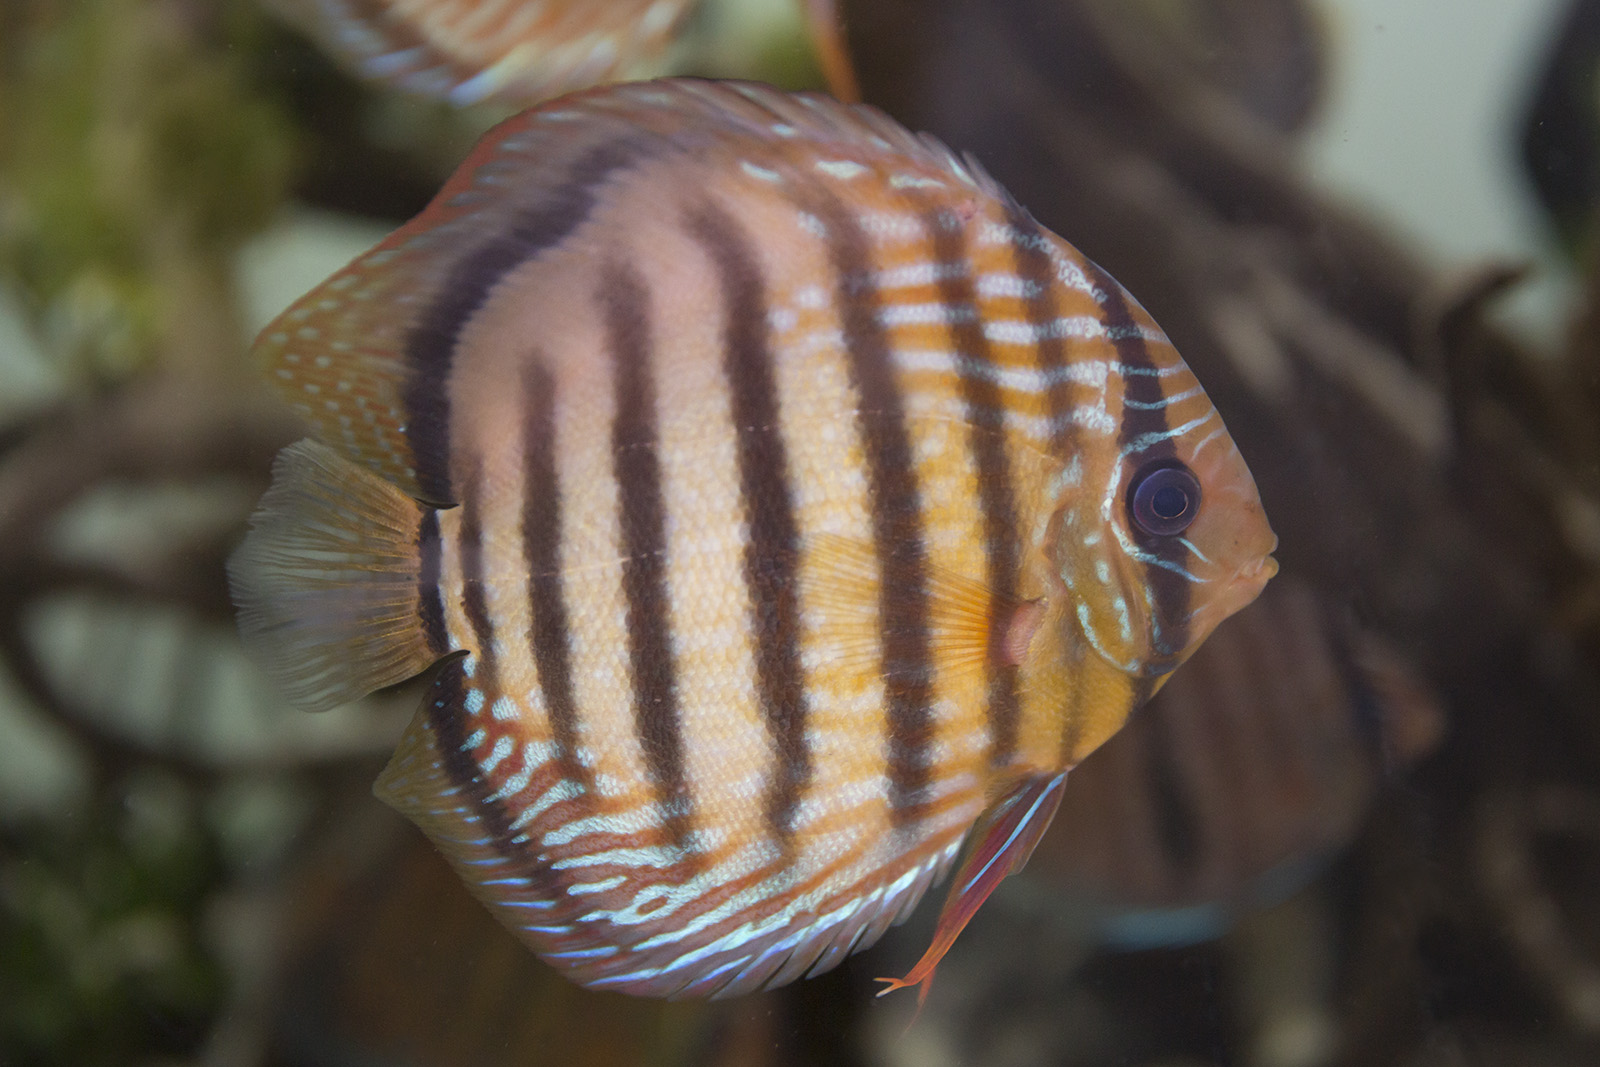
(327,581)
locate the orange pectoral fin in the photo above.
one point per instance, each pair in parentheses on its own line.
(999,844)
(971,625)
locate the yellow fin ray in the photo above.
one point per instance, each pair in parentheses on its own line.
(842,583)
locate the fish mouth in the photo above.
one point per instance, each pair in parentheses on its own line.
(1252,577)
(1260,572)
(1247,583)
(1231,595)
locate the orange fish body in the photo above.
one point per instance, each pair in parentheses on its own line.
(1236,783)
(790,502)
(522,51)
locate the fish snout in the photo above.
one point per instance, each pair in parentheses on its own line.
(1247,583)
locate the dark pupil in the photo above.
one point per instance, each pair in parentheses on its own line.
(1169,502)
(1164,499)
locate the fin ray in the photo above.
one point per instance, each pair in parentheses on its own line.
(1001,841)
(843,584)
(327,580)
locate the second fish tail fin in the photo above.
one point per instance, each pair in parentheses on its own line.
(329,582)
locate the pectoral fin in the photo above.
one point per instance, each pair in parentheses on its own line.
(999,843)
(970,626)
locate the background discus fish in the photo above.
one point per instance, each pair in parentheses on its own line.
(1227,791)
(781,505)
(523,51)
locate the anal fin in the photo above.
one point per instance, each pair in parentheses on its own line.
(433,781)
(999,843)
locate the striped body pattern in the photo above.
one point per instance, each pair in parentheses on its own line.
(468,51)
(1232,786)
(775,471)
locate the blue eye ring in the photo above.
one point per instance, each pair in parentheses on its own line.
(1163,498)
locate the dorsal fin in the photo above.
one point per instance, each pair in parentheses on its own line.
(366,356)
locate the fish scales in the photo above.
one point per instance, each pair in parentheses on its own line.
(762,426)
(893,496)
(772,545)
(687,377)
(549,628)
(985,419)
(523,51)
(468,50)
(1233,787)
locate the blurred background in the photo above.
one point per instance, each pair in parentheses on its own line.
(1361,827)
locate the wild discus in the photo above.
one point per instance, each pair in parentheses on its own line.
(778,504)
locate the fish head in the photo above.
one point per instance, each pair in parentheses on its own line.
(1165,535)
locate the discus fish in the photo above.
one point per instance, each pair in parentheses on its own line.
(366,983)
(523,51)
(1232,787)
(780,503)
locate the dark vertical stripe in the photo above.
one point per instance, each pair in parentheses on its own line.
(896,505)
(430,598)
(1140,384)
(549,635)
(430,346)
(1176,824)
(474,594)
(1042,307)
(771,553)
(447,717)
(985,412)
(1366,708)
(625,303)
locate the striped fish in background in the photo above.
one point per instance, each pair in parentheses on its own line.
(1230,789)
(781,504)
(524,51)
(366,983)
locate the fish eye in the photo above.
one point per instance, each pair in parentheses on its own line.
(1164,498)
